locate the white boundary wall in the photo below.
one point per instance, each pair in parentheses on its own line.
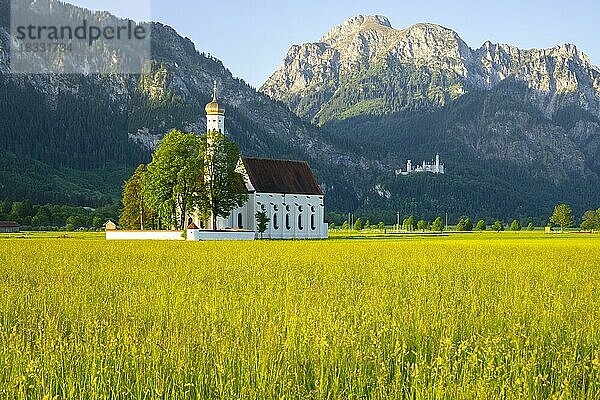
(192,235)
(198,235)
(144,235)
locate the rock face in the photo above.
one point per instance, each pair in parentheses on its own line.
(366,66)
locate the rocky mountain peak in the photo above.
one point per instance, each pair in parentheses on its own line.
(355,25)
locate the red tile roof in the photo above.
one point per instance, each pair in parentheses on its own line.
(281,176)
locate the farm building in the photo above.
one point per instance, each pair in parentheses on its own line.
(9,227)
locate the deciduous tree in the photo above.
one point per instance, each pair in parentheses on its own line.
(498,226)
(262,222)
(358,225)
(437,225)
(515,225)
(590,220)
(562,216)
(135,213)
(464,224)
(481,225)
(173,183)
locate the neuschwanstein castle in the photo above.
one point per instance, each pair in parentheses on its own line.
(433,167)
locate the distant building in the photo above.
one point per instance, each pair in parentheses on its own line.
(9,227)
(110,226)
(433,167)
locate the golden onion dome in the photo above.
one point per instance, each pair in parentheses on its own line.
(213,107)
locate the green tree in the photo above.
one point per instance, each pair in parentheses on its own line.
(381,226)
(5,206)
(224,185)
(97,222)
(515,225)
(136,213)
(346,226)
(358,225)
(410,224)
(42,217)
(590,220)
(73,222)
(422,225)
(481,225)
(498,226)
(464,224)
(173,183)
(262,222)
(530,227)
(437,225)
(332,226)
(562,216)
(367,225)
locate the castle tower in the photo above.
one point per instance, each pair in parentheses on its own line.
(437,164)
(215,114)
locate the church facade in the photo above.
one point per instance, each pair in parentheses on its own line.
(287,191)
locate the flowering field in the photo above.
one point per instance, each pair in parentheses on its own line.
(480,316)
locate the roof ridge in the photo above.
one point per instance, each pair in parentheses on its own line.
(275,159)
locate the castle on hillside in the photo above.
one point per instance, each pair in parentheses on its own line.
(433,167)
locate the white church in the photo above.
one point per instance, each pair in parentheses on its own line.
(287,191)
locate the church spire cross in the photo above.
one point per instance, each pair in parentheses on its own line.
(214,90)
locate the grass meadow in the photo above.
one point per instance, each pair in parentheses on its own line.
(510,316)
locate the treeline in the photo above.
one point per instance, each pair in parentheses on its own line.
(562,217)
(54,217)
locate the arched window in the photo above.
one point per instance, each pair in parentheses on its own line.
(275,222)
(287,222)
(240,221)
(313,226)
(300,227)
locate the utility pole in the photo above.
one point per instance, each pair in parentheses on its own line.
(446,221)
(397,221)
(142,214)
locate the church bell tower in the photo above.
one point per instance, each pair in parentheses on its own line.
(215,114)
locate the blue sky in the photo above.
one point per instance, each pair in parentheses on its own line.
(252,37)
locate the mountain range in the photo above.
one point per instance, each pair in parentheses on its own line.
(519,130)
(521,126)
